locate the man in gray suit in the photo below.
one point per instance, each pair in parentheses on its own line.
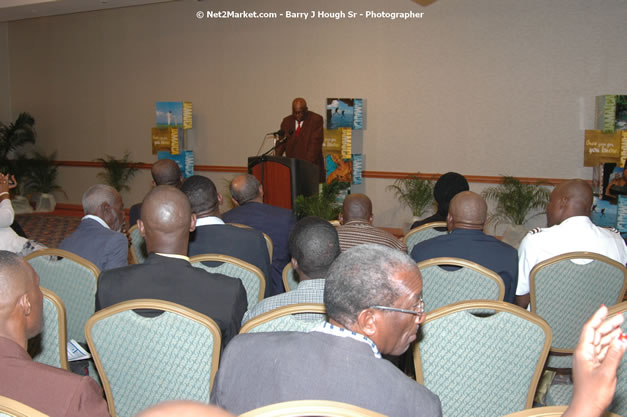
(373,296)
(98,237)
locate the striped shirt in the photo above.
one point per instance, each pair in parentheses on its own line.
(359,232)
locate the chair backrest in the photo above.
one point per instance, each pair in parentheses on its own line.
(74,280)
(51,348)
(292,318)
(13,408)
(482,365)
(146,360)
(269,243)
(289,277)
(470,282)
(424,232)
(554,411)
(138,246)
(566,294)
(320,408)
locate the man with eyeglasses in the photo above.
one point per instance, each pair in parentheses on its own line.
(373,297)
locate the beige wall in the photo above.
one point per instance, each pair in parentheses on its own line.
(5,92)
(483,87)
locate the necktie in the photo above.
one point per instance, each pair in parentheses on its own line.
(298,128)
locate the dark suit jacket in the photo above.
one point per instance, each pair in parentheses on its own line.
(105,248)
(134,213)
(308,144)
(277,223)
(475,246)
(221,298)
(246,244)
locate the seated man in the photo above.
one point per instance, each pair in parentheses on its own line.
(466,219)
(276,222)
(53,391)
(213,236)
(98,238)
(446,187)
(374,306)
(356,225)
(166,220)
(314,247)
(570,230)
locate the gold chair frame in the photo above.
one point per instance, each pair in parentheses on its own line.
(283,311)
(306,408)
(65,254)
(285,275)
(134,259)
(425,226)
(269,243)
(62,323)
(17,409)
(552,411)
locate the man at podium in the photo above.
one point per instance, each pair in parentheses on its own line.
(304,135)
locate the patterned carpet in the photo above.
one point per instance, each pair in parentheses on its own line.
(47,229)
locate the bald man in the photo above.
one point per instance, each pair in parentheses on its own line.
(356,226)
(569,230)
(166,221)
(304,136)
(465,221)
(53,391)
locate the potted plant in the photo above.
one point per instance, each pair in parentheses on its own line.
(13,137)
(41,179)
(118,172)
(415,193)
(324,204)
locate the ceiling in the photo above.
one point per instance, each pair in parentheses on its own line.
(26,9)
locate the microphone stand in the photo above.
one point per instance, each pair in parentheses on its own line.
(263,156)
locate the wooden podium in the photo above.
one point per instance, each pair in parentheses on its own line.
(284,178)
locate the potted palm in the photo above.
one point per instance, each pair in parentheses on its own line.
(324,204)
(41,179)
(118,172)
(415,193)
(13,138)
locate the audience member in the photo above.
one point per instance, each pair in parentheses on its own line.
(466,240)
(374,306)
(213,236)
(98,237)
(166,220)
(569,230)
(53,391)
(356,225)
(276,222)
(9,239)
(446,187)
(164,172)
(314,246)
(184,409)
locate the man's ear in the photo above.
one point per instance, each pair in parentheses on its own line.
(367,322)
(294,264)
(234,201)
(220,199)
(340,217)
(140,226)
(24,302)
(449,221)
(371,219)
(192,224)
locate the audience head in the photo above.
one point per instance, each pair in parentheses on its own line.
(245,188)
(447,187)
(166,220)
(372,275)
(467,210)
(299,109)
(21,300)
(356,207)
(203,196)
(105,202)
(568,199)
(314,245)
(166,172)
(184,409)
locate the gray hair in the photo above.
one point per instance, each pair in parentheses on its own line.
(360,278)
(96,195)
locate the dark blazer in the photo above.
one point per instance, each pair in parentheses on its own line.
(277,223)
(475,246)
(221,298)
(105,248)
(134,213)
(308,144)
(246,244)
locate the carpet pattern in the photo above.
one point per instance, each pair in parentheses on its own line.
(47,229)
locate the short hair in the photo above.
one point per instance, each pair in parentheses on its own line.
(202,194)
(9,261)
(166,172)
(314,244)
(248,191)
(96,195)
(360,278)
(447,187)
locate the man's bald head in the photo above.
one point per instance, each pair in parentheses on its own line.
(467,210)
(356,207)
(184,409)
(166,172)
(245,188)
(569,199)
(299,109)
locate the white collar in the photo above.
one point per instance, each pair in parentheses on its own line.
(173,255)
(209,220)
(98,219)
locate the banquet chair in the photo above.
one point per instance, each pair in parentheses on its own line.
(13,408)
(252,278)
(306,408)
(290,281)
(138,246)
(482,366)
(143,361)
(555,411)
(470,281)
(291,318)
(50,346)
(269,243)
(74,280)
(422,233)
(566,294)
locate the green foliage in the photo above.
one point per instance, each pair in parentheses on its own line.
(118,172)
(414,192)
(515,200)
(323,205)
(41,174)
(13,137)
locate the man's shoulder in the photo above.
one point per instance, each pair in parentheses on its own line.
(315,116)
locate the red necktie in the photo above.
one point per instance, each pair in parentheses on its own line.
(298,129)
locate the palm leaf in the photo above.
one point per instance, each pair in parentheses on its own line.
(118,172)
(515,200)
(414,192)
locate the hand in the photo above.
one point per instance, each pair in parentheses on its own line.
(4,183)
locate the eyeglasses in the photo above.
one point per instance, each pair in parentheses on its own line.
(420,309)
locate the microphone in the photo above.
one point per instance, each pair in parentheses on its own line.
(279,132)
